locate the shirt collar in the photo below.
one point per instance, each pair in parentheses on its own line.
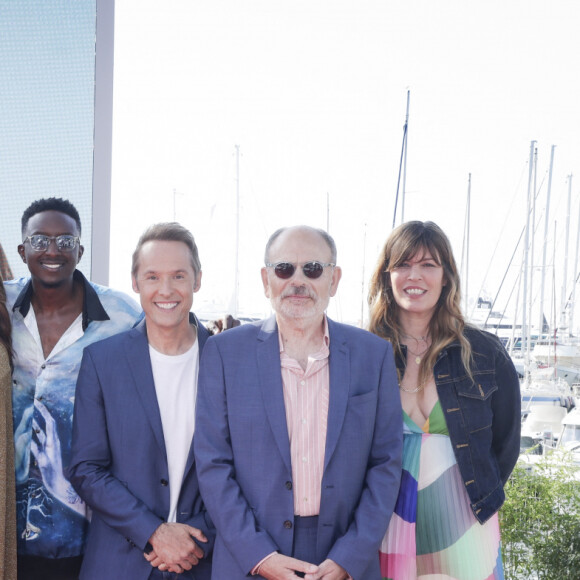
(92,307)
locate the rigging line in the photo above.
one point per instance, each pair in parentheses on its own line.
(505,274)
(515,285)
(569,298)
(503,228)
(508,267)
(400,172)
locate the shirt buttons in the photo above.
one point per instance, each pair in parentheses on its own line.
(305,460)
(302,383)
(303,421)
(43,366)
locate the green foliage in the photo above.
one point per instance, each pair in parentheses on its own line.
(540,521)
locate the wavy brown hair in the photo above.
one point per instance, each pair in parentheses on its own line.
(5,326)
(447,323)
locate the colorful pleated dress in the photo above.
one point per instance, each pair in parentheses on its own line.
(433,534)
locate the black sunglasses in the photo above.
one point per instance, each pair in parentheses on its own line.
(312,270)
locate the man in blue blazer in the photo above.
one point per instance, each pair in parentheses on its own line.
(132,453)
(298,429)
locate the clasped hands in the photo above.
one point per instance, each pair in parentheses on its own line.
(280,567)
(174,548)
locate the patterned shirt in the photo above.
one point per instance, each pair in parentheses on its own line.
(306,397)
(52,519)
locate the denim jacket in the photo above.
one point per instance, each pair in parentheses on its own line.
(482,416)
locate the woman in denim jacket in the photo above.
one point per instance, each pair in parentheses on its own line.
(461,402)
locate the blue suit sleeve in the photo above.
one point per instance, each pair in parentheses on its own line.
(91,459)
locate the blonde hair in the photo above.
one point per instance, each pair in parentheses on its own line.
(447,323)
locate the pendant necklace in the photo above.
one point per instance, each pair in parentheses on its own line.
(417,355)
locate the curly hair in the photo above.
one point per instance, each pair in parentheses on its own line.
(50,204)
(447,323)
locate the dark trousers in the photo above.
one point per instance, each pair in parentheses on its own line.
(305,540)
(37,568)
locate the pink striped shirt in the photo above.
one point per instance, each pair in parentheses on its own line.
(306,395)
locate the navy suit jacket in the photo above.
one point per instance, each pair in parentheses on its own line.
(243,452)
(119,462)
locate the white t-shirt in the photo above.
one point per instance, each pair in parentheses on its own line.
(176,387)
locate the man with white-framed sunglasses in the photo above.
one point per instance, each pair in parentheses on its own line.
(298,429)
(55,313)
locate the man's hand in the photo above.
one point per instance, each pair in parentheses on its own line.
(280,567)
(328,570)
(174,549)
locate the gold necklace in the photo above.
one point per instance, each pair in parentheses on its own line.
(421,338)
(412,391)
(417,355)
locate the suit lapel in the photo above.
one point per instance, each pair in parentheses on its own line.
(139,361)
(270,379)
(339,361)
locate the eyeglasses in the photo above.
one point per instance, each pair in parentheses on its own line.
(312,270)
(65,243)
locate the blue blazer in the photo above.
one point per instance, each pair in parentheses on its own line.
(119,463)
(243,451)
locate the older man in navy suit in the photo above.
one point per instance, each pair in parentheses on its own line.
(132,456)
(298,429)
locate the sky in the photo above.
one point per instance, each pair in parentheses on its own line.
(315,94)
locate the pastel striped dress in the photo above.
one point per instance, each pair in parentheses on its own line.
(433,534)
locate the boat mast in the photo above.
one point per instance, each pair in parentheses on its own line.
(566,244)
(405,160)
(575,276)
(532,244)
(545,244)
(402,167)
(465,254)
(525,265)
(237,254)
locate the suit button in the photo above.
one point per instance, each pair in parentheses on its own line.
(288,485)
(164,483)
(288,524)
